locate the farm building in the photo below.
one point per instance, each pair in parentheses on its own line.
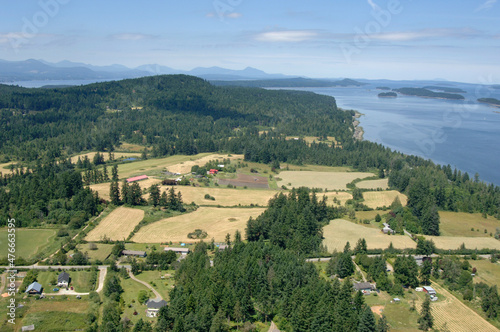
(154,307)
(136,253)
(28,328)
(364,287)
(137,178)
(34,288)
(182,251)
(223,247)
(429,290)
(63,279)
(421,259)
(169,182)
(387,229)
(213,171)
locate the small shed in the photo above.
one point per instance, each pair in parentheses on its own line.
(136,253)
(429,290)
(63,279)
(137,178)
(154,307)
(28,328)
(396,300)
(34,288)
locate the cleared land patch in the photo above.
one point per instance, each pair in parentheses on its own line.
(185,167)
(460,224)
(373,184)
(328,180)
(5,168)
(117,225)
(453,242)
(103,188)
(223,196)
(250,181)
(487,272)
(29,242)
(117,155)
(339,231)
(216,221)
(376,199)
(342,196)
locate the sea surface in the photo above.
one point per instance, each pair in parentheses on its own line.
(464,134)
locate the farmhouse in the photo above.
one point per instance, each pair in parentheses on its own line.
(154,307)
(136,253)
(169,182)
(429,290)
(364,287)
(34,288)
(137,178)
(182,251)
(213,171)
(63,279)
(387,229)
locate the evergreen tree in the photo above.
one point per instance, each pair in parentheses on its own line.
(163,199)
(126,193)
(366,321)
(382,325)
(425,272)
(154,195)
(378,218)
(114,193)
(114,173)
(361,247)
(425,321)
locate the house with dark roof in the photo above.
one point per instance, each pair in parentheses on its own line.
(364,287)
(34,288)
(154,307)
(136,253)
(63,279)
(182,251)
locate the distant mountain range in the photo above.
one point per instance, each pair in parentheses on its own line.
(39,70)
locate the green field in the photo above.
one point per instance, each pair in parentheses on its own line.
(130,295)
(399,316)
(461,223)
(29,242)
(102,252)
(56,321)
(163,286)
(487,272)
(80,280)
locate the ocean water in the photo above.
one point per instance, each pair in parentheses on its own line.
(464,134)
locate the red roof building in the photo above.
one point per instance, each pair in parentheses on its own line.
(213,171)
(137,178)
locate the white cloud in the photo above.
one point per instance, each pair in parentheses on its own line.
(486,5)
(426,33)
(286,36)
(131,36)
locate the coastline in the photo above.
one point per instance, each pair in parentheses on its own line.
(358,130)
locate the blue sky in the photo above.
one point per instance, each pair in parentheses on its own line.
(393,39)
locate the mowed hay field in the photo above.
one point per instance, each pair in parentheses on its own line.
(29,242)
(342,196)
(328,180)
(224,197)
(487,271)
(339,231)
(373,184)
(460,224)
(217,222)
(117,225)
(116,155)
(376,199)
(455,315)
(185,167)
(454,242)
(103,188)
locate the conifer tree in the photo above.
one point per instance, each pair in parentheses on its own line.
(366,321)
(425,321)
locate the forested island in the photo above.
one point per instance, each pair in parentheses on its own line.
(383,88)
(490,101)
(426,93)
(298,82)
(388,95)
(445,89)
(261,275)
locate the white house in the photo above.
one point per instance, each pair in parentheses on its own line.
(63,279)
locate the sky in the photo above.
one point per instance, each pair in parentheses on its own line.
(457,40)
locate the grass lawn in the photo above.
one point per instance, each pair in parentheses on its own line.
(29,242)
(56,321)
(102,252)
(460,224)
(315,179)
(80,280)
(373,184)
(130,295)
(163,286)
(487,272)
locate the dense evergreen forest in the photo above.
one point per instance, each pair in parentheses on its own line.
(423,92)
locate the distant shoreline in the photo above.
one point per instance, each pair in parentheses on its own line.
(358,130)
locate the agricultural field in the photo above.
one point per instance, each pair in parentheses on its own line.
(103,188)
(217,222)
(454,242)
(342,196)
(246,180)
(376,199)
(117,225)
(455,315)
(101,253)
(373,184)
(339,231)
(185,166)
(224,196)
(162,286)
(323,180)
(487,272)
(29,242)
(461,223)
(128,147)
(117,155)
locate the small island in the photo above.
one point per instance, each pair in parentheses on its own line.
(422,92)
(445,89)
(387,95)
(383,88)
(490,101)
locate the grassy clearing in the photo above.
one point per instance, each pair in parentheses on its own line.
(316,168)
(102,252)
(5,169)
(456,315)
(376,199)
(185,167)
(460,224)
(341,196)
(117,225)
(103,188)
(216,221)
(311,139)
(453,242)
(131,289)
(339,231)
(163,286)
(373,184)
(29,242)
(487,272)
(328,180)
(128,147)
(117,155)
(399,316)
(224,196)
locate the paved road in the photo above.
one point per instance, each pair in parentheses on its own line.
(158,296)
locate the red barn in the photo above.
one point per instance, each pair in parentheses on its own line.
(137,178)
(213,171)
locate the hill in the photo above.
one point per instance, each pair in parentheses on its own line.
(298,82)
(422,92)
(490,101)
